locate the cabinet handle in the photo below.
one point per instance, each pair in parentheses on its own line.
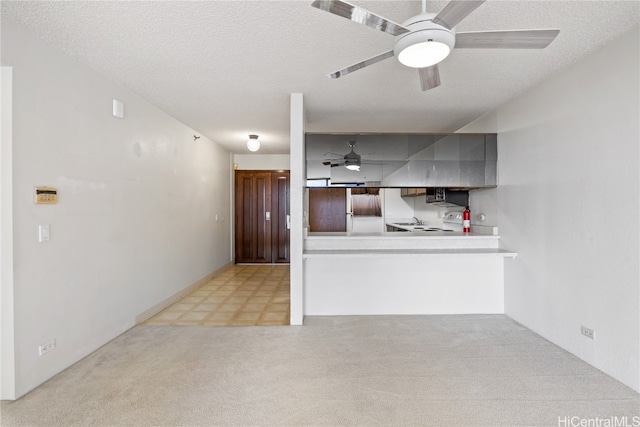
(288,222)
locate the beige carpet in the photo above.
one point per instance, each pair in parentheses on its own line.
(336,371)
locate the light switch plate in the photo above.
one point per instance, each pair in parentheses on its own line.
(118,109)
(43,233)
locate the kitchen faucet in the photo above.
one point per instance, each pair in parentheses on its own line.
(417,221)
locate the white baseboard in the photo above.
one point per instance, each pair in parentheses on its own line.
(147,314)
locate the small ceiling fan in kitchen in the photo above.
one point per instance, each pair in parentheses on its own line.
(426,39)
(351,160)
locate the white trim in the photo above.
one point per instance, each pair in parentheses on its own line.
(7,326)
(297,209)
(232,209)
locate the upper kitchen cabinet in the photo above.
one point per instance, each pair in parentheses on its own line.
(402,160)
(412,192)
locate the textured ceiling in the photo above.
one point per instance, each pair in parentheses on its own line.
(226,69)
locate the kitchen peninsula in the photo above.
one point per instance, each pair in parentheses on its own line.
(382,262)
(403,273)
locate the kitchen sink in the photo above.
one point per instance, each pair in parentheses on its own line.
(420,228)
(413,226)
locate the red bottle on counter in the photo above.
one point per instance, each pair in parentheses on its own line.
(466,220)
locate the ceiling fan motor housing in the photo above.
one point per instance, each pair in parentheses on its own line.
(352,158)
(427,43)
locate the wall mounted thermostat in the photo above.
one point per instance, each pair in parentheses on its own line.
(45,196)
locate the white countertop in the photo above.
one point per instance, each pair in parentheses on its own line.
(417,227)
(399,241)
(476,228)
(405,253)
(402,235)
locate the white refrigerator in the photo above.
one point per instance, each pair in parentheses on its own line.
(360,218)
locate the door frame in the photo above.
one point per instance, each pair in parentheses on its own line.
(276,219)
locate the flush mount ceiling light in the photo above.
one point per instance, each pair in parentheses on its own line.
(253,144)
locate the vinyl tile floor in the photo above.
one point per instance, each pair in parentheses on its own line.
(243,295)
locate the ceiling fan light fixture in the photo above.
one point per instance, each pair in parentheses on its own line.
(352,160)
(424,54)
(427,45)
(253,144)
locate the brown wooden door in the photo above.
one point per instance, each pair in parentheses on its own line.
(261,210)
(327,209)
(253,210)
(280,219)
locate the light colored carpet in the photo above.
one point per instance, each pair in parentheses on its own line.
(474,370)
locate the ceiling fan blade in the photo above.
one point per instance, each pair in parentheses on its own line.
(513,39)
(429,77)
(360,15)
(372,162)
(455,11)
(359,65)
(333,165)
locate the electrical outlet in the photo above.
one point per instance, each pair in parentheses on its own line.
(589,333)
(47,347)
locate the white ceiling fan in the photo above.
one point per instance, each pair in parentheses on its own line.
(426,39)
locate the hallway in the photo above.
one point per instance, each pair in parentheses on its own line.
(243,295)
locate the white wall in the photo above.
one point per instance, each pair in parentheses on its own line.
(396,206)
(133,224)
(569,204)
(262,161)
(431,213)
